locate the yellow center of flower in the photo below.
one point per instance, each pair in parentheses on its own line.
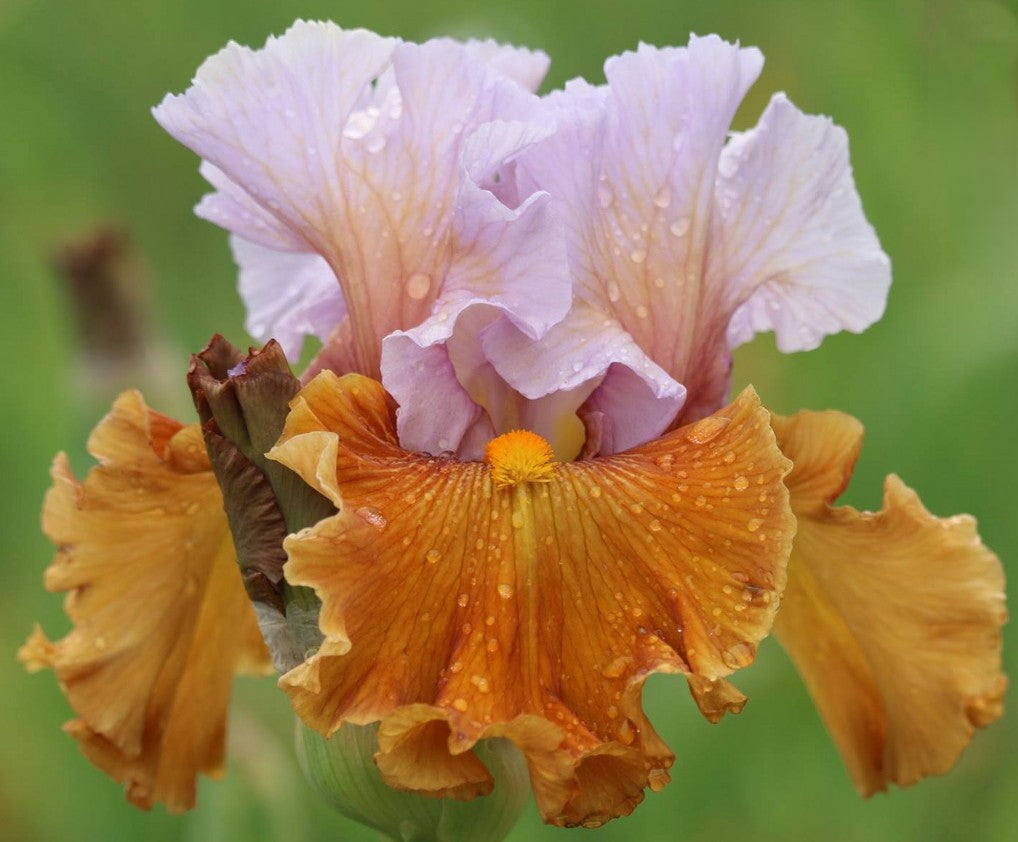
(518,457)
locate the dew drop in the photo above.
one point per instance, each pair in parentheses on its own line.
(594,491)
(728,165)
(612,712)
(417,285)
(492,645)
(463,600)
(654,525)
(604,196)
(433,556)
(614,293)
(371,515)
(679,227)
(192,508)
(517,520)
(617,667)
(754,524)
(460,704)
(638,255)
(708,429)
(741,483)
(481,683)
(665,461)
(642,311)
(375,144)
(663,197)
(505,590)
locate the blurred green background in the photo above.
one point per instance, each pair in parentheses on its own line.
(927,91)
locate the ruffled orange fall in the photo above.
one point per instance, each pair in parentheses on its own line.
(892,618)
(455,610)
(161,619)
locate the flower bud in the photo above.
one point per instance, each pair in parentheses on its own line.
(343,770)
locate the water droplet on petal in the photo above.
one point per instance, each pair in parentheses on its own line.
(663,197)
(417,285)
(605,196)
(614,293)
(741,483)
(679,227)
(433,556)
(642,312)
(505,590)
(372,516)
(617,667)
(707,429)
(460,705)
(638,255)
(728,165)
(754,524)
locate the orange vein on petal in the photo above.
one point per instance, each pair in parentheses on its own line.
(161,619)
(893,619)
(456,610)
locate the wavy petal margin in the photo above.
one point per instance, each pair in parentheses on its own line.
(893,618)
(454,611)
(161,619)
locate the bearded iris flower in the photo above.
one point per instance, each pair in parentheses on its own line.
(532,491)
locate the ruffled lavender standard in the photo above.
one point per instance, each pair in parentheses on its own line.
(580,264)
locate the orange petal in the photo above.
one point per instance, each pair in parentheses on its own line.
(161,619)
(456,610)
(716,698)
(893,619)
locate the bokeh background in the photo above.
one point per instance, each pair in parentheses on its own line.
(927,91)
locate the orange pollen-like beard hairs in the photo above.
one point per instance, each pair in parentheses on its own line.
(533,611)
(519,456)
